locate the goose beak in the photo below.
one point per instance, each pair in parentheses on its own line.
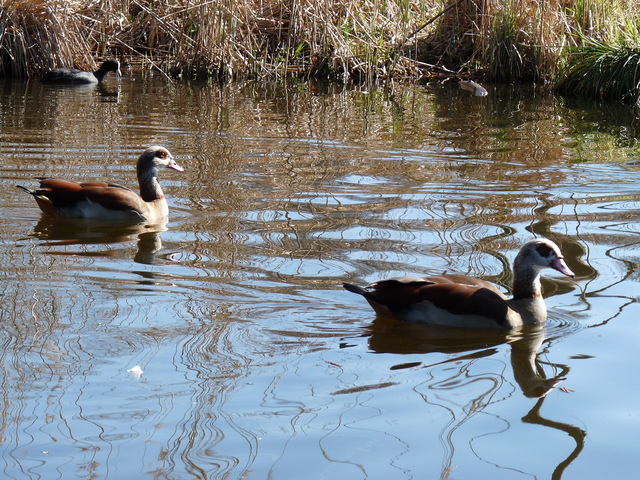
(174,166)
(561,267)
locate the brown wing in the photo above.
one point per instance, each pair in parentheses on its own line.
(463,280)
(63,194)
(458,294)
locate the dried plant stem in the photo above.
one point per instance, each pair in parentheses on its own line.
(357,40)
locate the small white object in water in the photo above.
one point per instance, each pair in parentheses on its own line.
(136,371)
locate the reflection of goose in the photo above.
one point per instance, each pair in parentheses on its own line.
(535,417)
(527,371)
(389,336)
(149,244)
(108,201)
(462,301)
(73,76)
(463,347)
(68,232)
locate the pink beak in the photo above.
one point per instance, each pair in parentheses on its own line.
(174,166)
(560,266)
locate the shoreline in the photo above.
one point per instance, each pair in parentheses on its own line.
(348,41)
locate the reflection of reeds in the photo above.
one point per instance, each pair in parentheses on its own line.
(359,39)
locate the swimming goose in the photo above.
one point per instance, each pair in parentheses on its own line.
(462,301)
(109,201)
(74,76)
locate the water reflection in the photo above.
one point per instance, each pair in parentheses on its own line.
(465,346)
(289,192)
(106,93)
(60,231)
(578,434)
(388,336)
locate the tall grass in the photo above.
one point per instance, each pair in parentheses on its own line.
(506,60)
(36,36)
(609,71)
(505,40)
(604,62)
(358,40)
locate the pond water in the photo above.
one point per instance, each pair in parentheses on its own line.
(254,362)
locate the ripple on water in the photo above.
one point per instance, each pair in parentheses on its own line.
(255,360)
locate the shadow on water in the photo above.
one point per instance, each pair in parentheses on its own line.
(55,231)
(465,346)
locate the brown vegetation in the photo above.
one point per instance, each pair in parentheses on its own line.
(361,40)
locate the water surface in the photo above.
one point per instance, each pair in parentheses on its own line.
(256,364)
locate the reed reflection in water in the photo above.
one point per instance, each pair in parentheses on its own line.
(256,364)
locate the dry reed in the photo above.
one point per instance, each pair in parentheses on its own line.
(36,36)
(360,40)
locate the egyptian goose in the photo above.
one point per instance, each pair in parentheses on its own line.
(73,76)
(462,301)
(109,201)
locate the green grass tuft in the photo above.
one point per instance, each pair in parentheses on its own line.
(608,71)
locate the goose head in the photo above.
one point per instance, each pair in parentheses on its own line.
(533,257)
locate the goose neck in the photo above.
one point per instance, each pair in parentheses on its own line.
(149,186)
